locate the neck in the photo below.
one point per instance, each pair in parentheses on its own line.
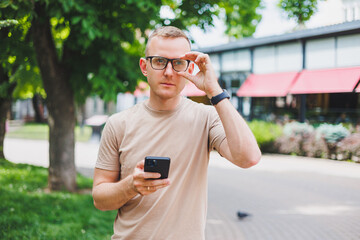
(161,104)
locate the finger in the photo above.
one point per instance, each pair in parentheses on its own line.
(142,176)
(155,188)
(149,189)
(190,55)
(140,164)
(146,190)
(201,59)
(165,184)
(157,184)
(151,175)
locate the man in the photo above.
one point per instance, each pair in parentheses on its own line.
(168,125)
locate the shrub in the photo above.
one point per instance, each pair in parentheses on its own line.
(289,144)
(315,147)
(332,133)
(265,133)
(294,136)
(296,128)
(349,147)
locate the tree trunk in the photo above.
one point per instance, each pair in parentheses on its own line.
(38,108)
(60,103)
(5,105)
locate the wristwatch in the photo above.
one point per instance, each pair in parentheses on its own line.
(216,99)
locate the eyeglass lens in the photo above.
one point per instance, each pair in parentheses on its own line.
(159,63)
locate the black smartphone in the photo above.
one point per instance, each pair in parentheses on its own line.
(157,164)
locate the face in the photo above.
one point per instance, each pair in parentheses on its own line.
(166,83)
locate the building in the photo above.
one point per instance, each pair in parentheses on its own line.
(311,74)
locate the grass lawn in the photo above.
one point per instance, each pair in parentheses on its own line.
(40,131)
(29,212)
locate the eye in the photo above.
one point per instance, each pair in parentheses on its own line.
(179,62)
(159,60)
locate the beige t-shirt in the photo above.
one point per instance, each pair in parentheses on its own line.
(186,135)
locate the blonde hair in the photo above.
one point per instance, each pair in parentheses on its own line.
(166,32)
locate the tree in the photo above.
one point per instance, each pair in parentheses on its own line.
(241,17)
(6,88)
(14,62)
(299,10)
(92,47)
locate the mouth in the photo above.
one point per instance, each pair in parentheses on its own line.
(165,84)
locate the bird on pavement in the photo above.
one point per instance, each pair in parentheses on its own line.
(242,215)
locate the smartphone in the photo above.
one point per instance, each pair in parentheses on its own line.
(157,164)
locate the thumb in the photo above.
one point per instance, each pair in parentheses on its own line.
(140,164)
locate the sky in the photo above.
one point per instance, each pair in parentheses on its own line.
(273,23)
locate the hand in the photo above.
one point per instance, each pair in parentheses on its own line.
(205,79)
(144,183)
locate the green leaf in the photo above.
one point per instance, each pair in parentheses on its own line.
(76,19)
(13,6)
(5,3)
(299,10)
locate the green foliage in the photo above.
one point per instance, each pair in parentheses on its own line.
(18,62)
(4,89)
(5,3)
(299,10)
(28,80)
(27,211)
(332,133)
(265,133)
(100,42)
(241,17)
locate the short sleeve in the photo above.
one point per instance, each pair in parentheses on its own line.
(216,130)
(108,156)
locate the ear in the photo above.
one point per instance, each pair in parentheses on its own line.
(142,64)
(191,67)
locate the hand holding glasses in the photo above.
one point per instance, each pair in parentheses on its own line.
(160,63)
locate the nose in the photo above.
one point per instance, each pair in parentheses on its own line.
(169,69)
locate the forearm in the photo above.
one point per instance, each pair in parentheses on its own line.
(241,143)
(240,146)
(112,196)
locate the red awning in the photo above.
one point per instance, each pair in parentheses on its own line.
(267,85)
(190,90)
(327,81)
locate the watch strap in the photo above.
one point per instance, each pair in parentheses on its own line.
(216,99)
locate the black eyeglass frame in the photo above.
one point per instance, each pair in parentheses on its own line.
(167,61)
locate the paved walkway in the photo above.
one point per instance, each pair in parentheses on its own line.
(36,152)
(288,197)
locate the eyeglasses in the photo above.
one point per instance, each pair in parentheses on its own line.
(160,63)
